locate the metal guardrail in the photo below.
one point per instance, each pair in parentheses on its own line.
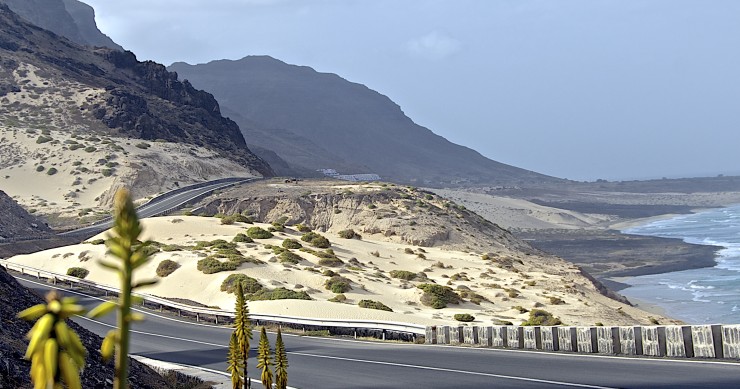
(410,328)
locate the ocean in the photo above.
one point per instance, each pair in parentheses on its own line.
(700,296)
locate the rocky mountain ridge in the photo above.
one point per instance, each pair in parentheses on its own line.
(16,222)
(318,120)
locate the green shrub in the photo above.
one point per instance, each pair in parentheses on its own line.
(289,257)
(276,227)
(90,149)
(331,262)
(228,220)
(464,317)
(540,317)
(372,304)
(172,247)
(249,284)
(242,238)
(76,146)
(292,244)
(403,274)
(339,298)
(438,296)
(338,284)
(166,267)
(107,172)
(143,145)
(258,233)
(210,265)
(371,206)
(302,228)
(408,250)
(556,301)
(78,272)
(278,294)
(347,234)
(316,240)
(52,171)
(40,168)
(96,241)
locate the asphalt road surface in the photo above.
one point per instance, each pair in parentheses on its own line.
(330,363)
(162,203)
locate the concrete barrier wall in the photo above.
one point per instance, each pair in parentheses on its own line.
(608,340)
(630,340)
(653,341)
(530,337)
(456,335)
(514,337)
(678,341)
(470,335)
(549,337)
(698,341)
(499,337)
(485,336)
(731,341)
(586,339)
(567,339)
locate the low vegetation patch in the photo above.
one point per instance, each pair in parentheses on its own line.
(349,234)
(372,304)
(403,274)
(464,317)
(78,272)
(339,298)
(291,244)
(316,240)
(289,257)
(278,294)
(540,317)
(212,265)
(556,301)
(438,296)
(166,267)
(242,238)
(249,284)
(338,284)
(258,233)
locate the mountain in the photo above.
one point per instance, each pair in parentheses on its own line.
(69,18)
(16,222)
(318,120)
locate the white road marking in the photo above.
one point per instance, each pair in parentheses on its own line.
(455,371)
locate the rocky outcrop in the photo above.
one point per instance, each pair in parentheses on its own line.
(17,223)
(71,19)
(14,370)
(138,99)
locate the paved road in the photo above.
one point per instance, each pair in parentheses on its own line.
(337,363)
(163,203)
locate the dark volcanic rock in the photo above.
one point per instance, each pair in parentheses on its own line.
(71,19)
(14,369)
(142,99)
(16,222)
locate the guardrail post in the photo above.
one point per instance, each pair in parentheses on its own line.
(731,341)
(384,334)
(707,341)
(38,275)
(354,330)
(197,317)
(216,316)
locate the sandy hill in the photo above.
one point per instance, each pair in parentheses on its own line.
(318,120)
(411,249)
(76,123)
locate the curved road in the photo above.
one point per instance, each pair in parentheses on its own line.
(338,363)
(164,203)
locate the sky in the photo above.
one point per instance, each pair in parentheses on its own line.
(578,89)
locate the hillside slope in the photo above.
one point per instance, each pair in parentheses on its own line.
(72,19)
(280,105)
(16,222)
(85,111)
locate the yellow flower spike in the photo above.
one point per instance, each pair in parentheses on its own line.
(108,346)
(39,334)
(51,354)
(55,306)
(69,371)
(32,313)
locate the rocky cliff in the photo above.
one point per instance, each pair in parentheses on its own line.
(16,222)
(46,80)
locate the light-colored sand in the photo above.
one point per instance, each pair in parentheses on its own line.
(534,284)
(511,213)
(85,177)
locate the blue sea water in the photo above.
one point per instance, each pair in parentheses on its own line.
(700,296)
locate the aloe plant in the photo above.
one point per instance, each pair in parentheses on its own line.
(124,245)
(281,362)
(242,333)
(263,359)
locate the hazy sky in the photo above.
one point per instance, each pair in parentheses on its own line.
(581,89)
